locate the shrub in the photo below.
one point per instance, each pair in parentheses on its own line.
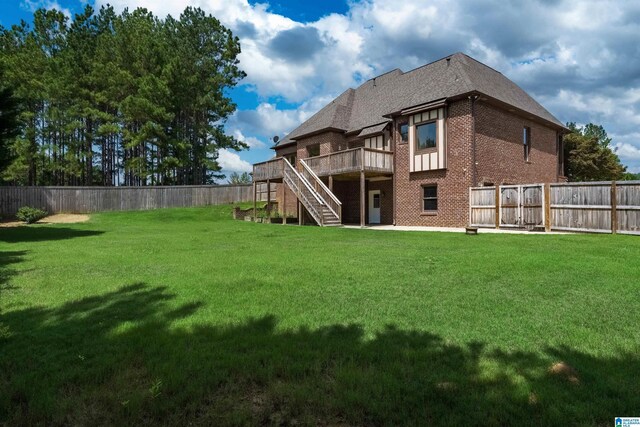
(30,215)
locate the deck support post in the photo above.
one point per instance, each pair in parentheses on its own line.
(255,201)
(269,200)
(331,183)
(284,204)
(299,213)
(362,199)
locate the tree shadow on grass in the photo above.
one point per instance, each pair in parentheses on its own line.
(7,258)
(130,357)
(42,233)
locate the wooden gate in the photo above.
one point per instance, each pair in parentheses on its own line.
(522,206)
(592,207)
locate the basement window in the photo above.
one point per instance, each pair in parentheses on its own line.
(430,198)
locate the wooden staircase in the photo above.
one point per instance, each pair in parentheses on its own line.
(323,206)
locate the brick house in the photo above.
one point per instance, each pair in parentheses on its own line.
(404,147)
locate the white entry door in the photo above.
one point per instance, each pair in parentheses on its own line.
(374,207)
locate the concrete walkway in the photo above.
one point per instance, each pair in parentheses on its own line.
(451,229)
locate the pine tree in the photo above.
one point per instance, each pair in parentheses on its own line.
(9,120)
(119,99)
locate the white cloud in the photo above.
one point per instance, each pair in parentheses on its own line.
(267,120)
(628,152)
(231,162)
(33,5)
(251,141)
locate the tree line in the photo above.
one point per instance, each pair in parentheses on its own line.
(115,99)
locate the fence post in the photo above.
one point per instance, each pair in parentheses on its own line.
(469,221)
(614,208)
(497,187)
(547,207)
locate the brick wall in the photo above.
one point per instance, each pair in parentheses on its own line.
(453,183)
(291,201)
(326,140)
(348,192)
(500,151)
(287,149)
(499,159)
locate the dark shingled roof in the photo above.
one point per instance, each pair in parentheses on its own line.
(373,130)
(374,100)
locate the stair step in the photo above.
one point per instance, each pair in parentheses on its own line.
(319,211)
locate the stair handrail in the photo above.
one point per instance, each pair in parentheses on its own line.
(306,183)
(326,189)
(322,184)
(288,169)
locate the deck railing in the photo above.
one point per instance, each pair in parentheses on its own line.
(353,160)
(271,169)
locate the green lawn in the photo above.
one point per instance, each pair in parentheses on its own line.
(186,316)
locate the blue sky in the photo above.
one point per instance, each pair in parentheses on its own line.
(579,58)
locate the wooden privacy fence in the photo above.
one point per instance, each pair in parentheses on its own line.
(594,207)
(97,199)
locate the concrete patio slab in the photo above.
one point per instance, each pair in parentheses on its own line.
(452,229)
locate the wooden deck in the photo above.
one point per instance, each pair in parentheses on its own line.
(368,160)
(353,160)
(271,169)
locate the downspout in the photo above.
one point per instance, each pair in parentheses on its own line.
(474,168)
(394,127)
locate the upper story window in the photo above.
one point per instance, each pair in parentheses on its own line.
(427,140)
(526,141)
(404,132)
(313,150)
(426,136)
(560,154)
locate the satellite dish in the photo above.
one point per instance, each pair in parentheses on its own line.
(276,138)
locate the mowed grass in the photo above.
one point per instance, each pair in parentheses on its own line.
(184,316)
